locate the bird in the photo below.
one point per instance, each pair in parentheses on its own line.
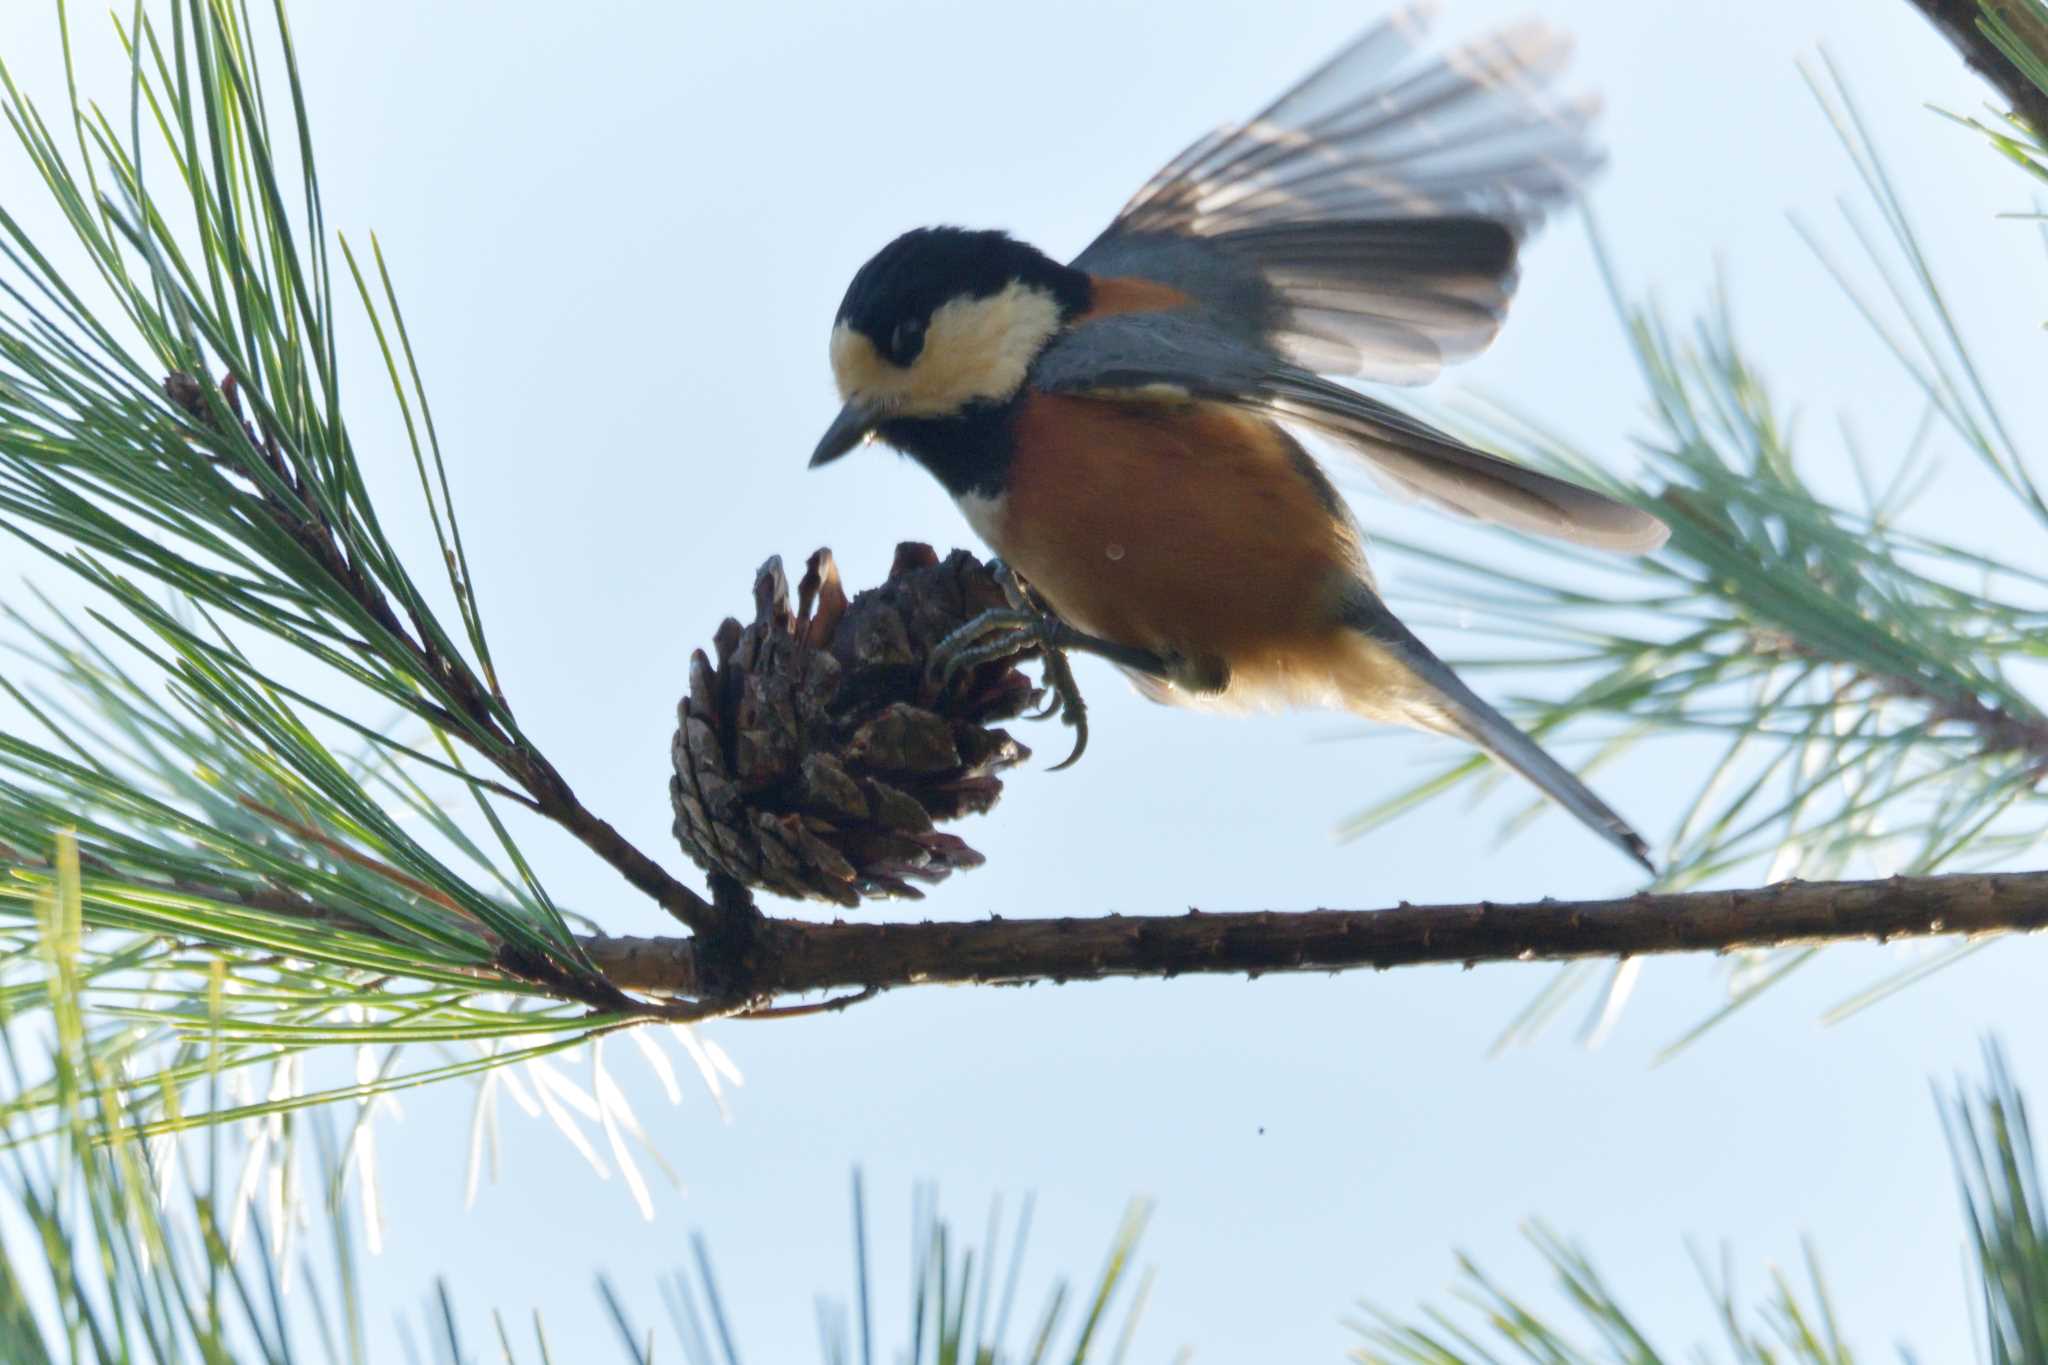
(1125,430)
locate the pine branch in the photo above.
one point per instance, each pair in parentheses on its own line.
(1964,24)
(793,957)
(474,712)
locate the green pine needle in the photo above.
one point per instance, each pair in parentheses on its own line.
(172,434)
(1862,676)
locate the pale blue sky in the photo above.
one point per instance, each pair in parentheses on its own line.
(620,231)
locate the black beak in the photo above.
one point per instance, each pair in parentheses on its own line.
(854,424)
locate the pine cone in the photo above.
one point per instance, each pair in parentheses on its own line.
(816,757)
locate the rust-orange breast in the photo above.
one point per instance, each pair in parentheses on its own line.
(1182,527)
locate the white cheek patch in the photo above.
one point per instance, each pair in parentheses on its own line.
(975,349)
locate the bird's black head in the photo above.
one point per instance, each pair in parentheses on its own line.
(893,297)
(941,321)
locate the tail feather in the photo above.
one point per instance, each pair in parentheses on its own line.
(1456,708)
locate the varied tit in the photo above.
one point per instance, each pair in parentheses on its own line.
(1117,429)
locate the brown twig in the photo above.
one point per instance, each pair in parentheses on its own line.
(791,958)
(798,957)
(1961,22)
(832,1006)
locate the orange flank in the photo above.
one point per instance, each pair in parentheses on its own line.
(1114,294)
(1188,529)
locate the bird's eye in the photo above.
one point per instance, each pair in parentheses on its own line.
(906,340)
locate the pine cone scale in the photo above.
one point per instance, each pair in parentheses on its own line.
(814,759)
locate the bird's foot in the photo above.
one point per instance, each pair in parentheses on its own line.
(1004,632)
(1027,624)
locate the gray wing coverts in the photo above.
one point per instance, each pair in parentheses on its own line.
(1366,223)
(1153,356)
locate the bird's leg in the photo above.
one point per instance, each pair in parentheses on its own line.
(1004,631)
(1001,631)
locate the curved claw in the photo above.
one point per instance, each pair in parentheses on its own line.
(1073,710)
(1080,725)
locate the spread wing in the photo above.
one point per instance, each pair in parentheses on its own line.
(1367,222)
(1151,357)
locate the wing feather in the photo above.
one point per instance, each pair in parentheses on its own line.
(1367,221)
